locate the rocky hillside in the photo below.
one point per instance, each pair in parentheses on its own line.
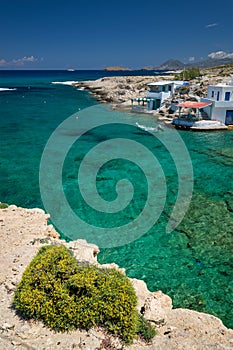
(178,65)
(120,89)
(219,71)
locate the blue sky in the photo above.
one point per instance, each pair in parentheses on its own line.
(90,34)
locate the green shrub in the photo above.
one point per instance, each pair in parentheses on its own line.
(66,294)
(3,205)
(188,74)
(145,329)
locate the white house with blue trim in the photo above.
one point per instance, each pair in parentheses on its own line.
(158,92)
(221,96)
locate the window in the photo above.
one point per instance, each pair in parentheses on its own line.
(212,94)
(218,96)
(227,96)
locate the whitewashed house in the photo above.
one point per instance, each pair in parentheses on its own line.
(221,96)
(161,91)
(157,94)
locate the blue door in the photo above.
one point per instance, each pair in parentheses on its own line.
(229,118)
(156,103)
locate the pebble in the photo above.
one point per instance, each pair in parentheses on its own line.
(15,343)
(7,326)
(9,286)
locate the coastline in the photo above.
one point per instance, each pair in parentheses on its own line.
(12,265)
(23,232)
(119,90)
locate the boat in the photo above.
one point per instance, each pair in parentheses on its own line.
(199,125)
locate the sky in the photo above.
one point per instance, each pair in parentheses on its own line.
(87,34)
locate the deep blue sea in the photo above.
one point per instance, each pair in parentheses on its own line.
(194,262)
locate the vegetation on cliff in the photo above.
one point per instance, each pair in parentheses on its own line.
(3,205)
(66,294)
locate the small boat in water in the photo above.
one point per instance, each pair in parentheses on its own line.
(199,125)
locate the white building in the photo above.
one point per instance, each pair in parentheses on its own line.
(221,96)
(161,90)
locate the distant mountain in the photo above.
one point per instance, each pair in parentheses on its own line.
(168,65)
(173,64)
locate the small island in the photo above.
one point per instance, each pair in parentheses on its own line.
(116,68)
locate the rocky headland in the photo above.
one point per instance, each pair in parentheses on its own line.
(23,232)
(119,90)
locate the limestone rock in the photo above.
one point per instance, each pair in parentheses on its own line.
(153,305)
(119,89)
(83,251)
(112,266)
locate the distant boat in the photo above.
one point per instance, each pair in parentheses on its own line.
(70,70)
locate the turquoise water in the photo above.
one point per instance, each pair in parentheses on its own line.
(193,264)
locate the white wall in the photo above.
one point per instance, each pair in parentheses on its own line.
(219,114)
(222,89)
(158,95)
(218,109)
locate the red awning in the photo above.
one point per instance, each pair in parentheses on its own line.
(191,104)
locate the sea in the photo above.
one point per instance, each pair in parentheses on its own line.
(193,261)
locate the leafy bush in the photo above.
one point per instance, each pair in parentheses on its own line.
(188,74)
(145,329)
(3,205)
(66,294)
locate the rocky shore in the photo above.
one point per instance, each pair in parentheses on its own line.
(119,90)
(22,232)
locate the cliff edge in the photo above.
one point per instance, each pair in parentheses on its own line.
(22,232)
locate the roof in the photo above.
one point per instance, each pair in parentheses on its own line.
(191,104)
(168,82)
(163,82)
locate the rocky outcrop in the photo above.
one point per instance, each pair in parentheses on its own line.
(22,232)
(119,89)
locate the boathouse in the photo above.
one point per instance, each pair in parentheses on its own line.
(158,92)
(192,116)
(161,90)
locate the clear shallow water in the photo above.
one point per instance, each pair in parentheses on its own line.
(193,264)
